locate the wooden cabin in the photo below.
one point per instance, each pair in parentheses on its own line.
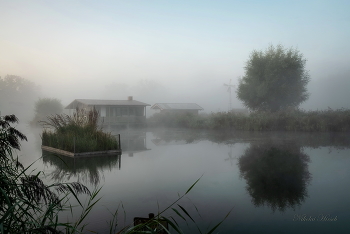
(177,107)
(115,112)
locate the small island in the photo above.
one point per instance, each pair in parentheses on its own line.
(78,135)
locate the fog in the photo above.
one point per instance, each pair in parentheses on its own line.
(171,52)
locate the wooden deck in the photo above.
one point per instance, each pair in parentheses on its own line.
(85,154)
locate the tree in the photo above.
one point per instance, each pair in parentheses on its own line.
(48,106)
(274,79)
(17,95)
(45,107)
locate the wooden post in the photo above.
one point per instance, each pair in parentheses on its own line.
(119,146)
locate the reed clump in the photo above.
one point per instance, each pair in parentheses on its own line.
(77,133)
(285,120)
(27,204)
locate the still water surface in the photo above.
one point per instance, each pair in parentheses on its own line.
(272,182)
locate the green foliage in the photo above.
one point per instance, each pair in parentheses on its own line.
(77,133)
(45,107)
(156,224)
(179,120)
(27,205)
(274,79)
(284,120)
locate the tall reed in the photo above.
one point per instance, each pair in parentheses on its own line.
(27,205)
(77,133)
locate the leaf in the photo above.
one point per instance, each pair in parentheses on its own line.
(178,213)
(184,210)
(217,225)
(173,225)
(193,185)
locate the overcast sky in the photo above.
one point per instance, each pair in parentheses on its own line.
(170,51)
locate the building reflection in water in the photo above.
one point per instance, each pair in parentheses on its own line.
(133,142)
(276,174)
(90,170)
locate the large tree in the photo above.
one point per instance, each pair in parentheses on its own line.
(274,79)
(17,95)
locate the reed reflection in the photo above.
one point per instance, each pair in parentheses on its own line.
(276,174)
(86,169)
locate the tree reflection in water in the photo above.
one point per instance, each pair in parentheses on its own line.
(277,175)
(84,169)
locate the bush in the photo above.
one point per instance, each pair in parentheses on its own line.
(45,107)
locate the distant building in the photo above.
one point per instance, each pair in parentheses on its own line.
(115,112)
(177,107)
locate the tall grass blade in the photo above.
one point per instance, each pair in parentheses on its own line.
(217,225)
(185,211)
(175,226)
(193,184)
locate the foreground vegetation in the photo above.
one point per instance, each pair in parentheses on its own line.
(27,205)
(77,133)
(286,120)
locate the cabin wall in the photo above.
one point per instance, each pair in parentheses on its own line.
(119,115)
(122,115)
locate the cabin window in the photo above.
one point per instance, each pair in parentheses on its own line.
(124,111)
(139,111)
(131,111)
(118,111)
(113,111)
(103,111)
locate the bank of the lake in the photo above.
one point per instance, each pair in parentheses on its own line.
(286,120)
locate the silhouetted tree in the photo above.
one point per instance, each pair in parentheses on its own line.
(274,79)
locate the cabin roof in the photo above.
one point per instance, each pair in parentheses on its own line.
(98,102)
(176,106)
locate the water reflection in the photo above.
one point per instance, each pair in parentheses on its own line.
(231,158)
(304,139)
(132,141)
(175,137)
(90,170)
(276,174)
(84,169)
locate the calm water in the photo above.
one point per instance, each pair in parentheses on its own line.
(273,182)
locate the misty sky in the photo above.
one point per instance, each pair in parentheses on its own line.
(170,51)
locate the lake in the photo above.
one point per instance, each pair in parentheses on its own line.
(272,182)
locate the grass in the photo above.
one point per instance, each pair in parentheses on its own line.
(286,120)
(27,205)
(78,133)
